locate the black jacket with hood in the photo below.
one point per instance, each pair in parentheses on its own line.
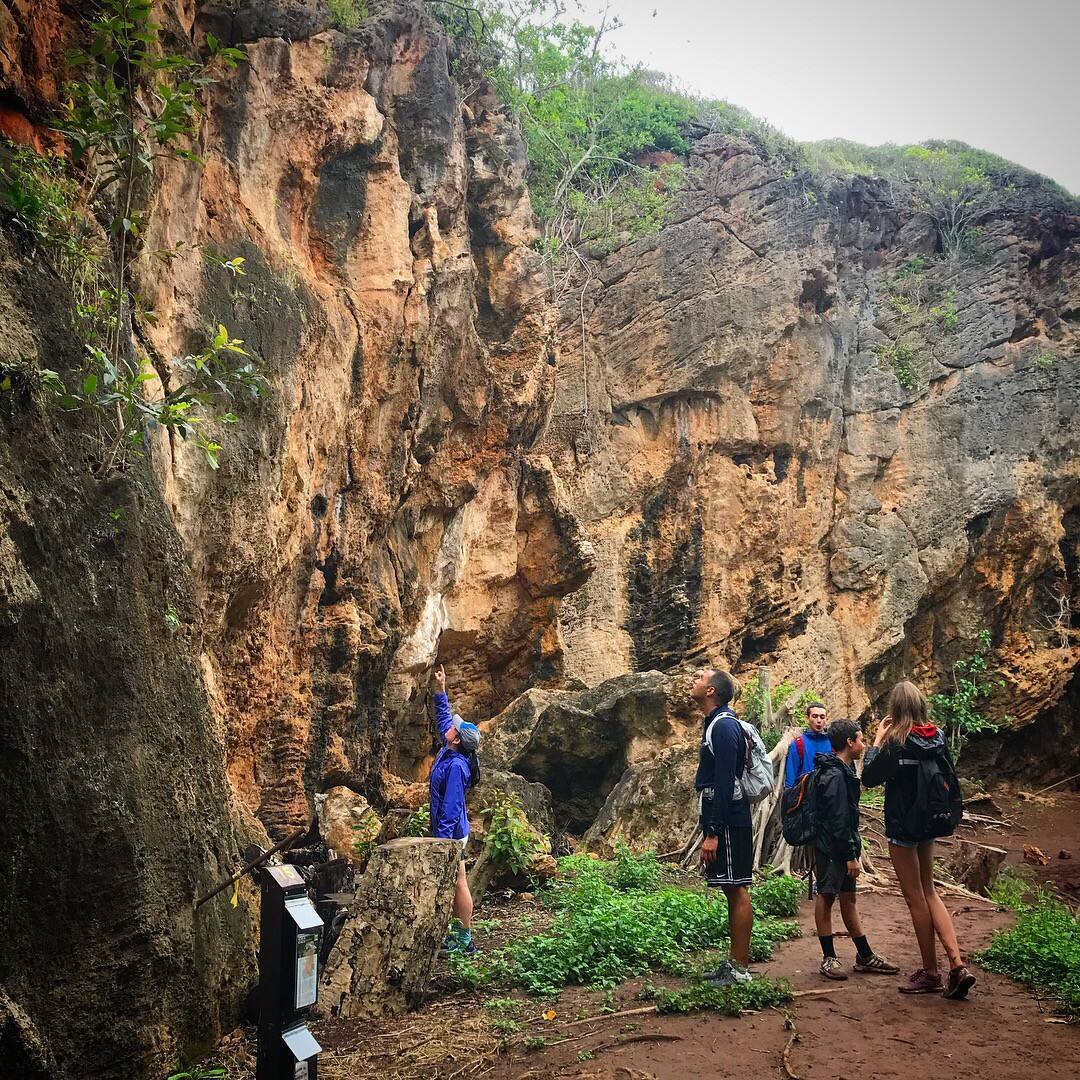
(897,767)
(836,809)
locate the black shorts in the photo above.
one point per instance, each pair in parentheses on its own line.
(734,863)
(832,876)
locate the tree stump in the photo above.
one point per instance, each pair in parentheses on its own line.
(396,923)
(975,866)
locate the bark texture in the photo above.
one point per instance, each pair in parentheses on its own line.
(396,923)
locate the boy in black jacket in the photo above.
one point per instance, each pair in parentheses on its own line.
(837,849)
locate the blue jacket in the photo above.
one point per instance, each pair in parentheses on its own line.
(451,776)
(815,744)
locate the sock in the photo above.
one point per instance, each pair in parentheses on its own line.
(862,947)
(827,948)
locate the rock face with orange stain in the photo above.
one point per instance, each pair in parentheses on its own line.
(381,509)
(759,485)
(746,481)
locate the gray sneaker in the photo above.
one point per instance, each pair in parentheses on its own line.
(831,968)
(729,974)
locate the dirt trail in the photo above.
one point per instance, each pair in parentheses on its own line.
(864,1028)
(861,1030)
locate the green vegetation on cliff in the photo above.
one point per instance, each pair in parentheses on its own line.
(607,142)
(131,107)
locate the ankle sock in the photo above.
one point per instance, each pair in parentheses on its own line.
(827,948)
(862,947)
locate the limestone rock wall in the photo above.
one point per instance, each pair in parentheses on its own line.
(758,485)
(380,510)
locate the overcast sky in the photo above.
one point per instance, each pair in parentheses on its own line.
(1001,76)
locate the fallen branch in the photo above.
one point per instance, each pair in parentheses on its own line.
(823,990)
(785,1057)
(1042,791)
(612,1016)
(948,886)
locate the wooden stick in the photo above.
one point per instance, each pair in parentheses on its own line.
(949,887)
(1042,791)
(612,1016)
(281,845)
(785,1057)
(823,990)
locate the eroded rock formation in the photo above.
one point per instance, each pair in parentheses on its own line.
(746,481)
(760,487)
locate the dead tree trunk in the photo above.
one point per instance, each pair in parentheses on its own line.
(397,920)
(975,866)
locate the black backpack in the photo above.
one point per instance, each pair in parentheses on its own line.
(938,805)
(797,811)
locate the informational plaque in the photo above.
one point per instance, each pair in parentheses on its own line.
(307,968)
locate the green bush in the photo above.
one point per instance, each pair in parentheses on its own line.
(1011,889)
(726,1000)
(348,14)
(602,935)
(418,823)
(513,841)
(752,704)
(957,712)
(902,358)
(1043,951)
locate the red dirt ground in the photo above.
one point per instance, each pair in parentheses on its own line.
(864,1028)
(861,1030)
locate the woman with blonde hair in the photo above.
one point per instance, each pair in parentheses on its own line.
(922,803)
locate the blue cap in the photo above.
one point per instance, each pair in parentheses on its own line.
(468,733)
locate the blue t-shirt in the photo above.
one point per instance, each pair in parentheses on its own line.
(814,743)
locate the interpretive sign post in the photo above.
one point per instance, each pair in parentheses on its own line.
(289,934)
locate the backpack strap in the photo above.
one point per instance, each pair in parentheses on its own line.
(800,746)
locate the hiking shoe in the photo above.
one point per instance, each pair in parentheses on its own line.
(460,941)
(960,982)
(876,965)
(831,968)
(922,982)
(728,974)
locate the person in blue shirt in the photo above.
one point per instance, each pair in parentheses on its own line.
(455,770)
(803,750)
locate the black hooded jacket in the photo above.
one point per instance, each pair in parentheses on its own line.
(896,766)
(836,809)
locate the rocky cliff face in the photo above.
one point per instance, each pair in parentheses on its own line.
(759,485)
(745,481)
(380,509)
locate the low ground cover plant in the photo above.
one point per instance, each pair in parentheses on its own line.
(1043,949)
(616,919)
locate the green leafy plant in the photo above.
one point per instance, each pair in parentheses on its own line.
(1045,360)
(602,935)
(585,1055)
(1012,890)
(132,107)
(348,14)
(957,712)
(752,704)
(1042,950)
(946,313)
(418,823)
(513,841)
(367,834)
(534,1043)
(726,1000)
(200,1072)
(902,358)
